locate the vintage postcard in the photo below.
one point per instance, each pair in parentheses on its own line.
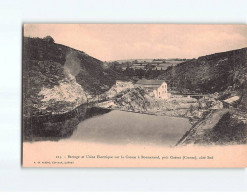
(134,95)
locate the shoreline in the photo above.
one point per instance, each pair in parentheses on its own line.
(154,113)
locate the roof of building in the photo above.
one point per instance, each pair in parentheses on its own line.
(232,99)
(139,66)
(150,82)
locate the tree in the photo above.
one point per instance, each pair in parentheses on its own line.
(49,39)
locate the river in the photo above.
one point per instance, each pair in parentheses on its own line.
(119,127)
(115,127)
(94,132)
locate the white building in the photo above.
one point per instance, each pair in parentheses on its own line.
(158,87)
(161,92)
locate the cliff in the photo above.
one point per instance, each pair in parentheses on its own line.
(57,78)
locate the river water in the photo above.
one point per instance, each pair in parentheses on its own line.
(113,127)
(119,127)
(93,131)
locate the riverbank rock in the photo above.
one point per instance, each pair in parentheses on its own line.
(135,99)
(210,103)
(118,88)
(63,97)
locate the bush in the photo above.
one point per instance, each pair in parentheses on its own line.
(49,39)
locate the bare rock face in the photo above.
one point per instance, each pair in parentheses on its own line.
(134,99)
(120,87)
(68,91)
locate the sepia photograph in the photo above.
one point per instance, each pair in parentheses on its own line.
(129,96)
(134,95)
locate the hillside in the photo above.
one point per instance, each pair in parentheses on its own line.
(219,127)
(57,78)
(210,73)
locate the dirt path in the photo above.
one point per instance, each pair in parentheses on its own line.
(196,133)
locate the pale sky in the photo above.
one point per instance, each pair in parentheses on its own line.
(143,41)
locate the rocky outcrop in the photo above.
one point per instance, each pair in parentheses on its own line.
(67,90)
(119,88)
(139,99)
(135,99)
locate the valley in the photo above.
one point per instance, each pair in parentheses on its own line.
(209,91)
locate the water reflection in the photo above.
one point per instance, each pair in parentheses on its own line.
(91,124)
(56,127)
(119,127)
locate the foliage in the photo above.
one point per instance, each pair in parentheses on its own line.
(49,39)
(209,74)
